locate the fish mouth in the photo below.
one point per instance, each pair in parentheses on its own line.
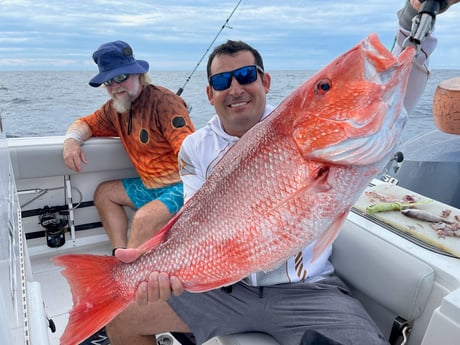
(372,135)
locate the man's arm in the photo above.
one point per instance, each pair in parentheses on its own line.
(73,154)
(190,173)
(420,70)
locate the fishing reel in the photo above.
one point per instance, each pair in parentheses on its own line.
(395,163)
(55,224)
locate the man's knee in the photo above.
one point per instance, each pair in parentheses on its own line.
(106,191)
(145,224)
(99,193)
(152,212)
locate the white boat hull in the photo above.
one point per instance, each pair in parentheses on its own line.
(393,277)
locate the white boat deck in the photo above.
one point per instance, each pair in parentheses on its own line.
(56,293)
(55,290)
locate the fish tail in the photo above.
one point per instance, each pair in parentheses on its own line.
(95,294)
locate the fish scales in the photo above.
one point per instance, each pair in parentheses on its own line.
(290,180)
(245,233)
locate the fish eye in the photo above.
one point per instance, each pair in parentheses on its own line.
(322,86)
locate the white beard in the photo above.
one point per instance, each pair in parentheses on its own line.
(121,106)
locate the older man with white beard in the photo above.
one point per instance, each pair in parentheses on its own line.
(151,122)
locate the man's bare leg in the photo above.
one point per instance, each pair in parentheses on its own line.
(147,221)
(109,199)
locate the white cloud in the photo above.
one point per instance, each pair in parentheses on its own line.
(174,34)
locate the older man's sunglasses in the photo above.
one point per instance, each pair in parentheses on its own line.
(118,79)
(243,75)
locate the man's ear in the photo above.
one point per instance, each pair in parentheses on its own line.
(209,92)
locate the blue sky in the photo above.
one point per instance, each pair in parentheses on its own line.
(173,35)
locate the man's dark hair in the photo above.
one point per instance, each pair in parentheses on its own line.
(232,47)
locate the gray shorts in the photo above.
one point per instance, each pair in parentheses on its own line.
(284,311)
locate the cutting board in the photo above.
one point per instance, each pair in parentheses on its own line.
(418,229)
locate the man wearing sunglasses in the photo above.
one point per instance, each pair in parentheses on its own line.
(151,122)
(306,306)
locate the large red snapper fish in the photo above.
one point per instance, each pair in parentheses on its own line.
(290,180)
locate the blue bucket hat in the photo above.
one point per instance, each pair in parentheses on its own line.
(113,59)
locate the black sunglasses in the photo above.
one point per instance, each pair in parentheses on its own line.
(118,79)
(244,75)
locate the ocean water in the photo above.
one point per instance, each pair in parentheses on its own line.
(46,103)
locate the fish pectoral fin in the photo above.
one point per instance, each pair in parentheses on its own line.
(328,236)
(320,184)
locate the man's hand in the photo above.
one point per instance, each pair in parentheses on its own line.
(417,4)
(73,155)
(159,286)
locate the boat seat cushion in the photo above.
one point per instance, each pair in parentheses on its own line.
(383,272)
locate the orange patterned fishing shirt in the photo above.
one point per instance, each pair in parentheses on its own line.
(151,132)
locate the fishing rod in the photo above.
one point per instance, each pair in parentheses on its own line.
(179,92)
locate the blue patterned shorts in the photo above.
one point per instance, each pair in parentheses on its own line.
(172,196)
